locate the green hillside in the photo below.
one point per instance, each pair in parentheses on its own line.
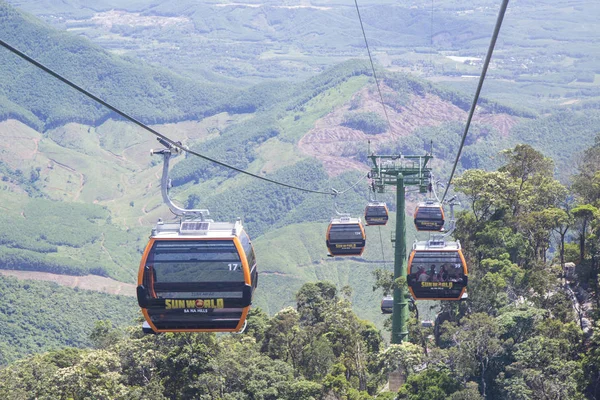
(37,317)
(150,94)
(66,238)
(545,57)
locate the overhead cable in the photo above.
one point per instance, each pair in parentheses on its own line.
(373,67)
(153,131)
(478,91)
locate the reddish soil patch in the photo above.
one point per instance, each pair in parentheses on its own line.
(336,146)
(88,282)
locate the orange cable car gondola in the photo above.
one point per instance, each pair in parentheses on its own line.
(429,216)
(437,270)
(345,237)
(376,213)
(196,275)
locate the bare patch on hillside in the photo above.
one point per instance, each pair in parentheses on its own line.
(87,282)
(336,145)
(120,17)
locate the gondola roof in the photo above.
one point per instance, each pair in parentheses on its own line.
(196,229)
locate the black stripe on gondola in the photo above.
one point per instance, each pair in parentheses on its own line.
(198,325)
(195,321)
(145,301)
(376,215)
(345,239)
(199,286)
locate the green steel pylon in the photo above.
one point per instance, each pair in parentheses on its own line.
(400,171)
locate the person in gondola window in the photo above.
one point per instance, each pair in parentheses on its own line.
(431,274)
(443,274)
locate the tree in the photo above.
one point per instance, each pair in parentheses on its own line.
(430,384)
(586,183)
(314,300)
(284,338)
(524,163)
(541,371)
(241,371)
(104,334)
(562,221)
(95,376)
(583,215)
(258,322)
(538,226)
(476,345)
(486,191)
(405,357)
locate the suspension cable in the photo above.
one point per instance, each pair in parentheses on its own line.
(381,244)
(353,185)
(478,91)
(373,67)
(431,40)
(153,131)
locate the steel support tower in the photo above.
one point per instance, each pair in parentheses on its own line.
(400,171)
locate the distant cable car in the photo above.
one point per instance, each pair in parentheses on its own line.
(429,216)
(437,270)
(345,237)
(376,213)
(196,275)
(387,305)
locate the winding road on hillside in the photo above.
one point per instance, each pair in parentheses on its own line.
(73,170)
(87,282)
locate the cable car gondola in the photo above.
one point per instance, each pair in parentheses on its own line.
(437,270)
(196,275)
(345,237)
(429,216)
(376,213)
(387,305)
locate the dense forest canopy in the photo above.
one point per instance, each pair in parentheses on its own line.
(284,90)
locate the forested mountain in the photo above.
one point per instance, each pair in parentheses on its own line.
(151,94)
(233,81)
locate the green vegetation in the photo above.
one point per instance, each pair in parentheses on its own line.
(149,94)
(237,144)
(570,132)
(368,122)
(41,316)
(320,348)
(523,333)
(65,238)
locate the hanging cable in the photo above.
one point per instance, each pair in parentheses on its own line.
(478,91)
(154,132)
(431,41)
(381,244)
(353,185)
(373,67)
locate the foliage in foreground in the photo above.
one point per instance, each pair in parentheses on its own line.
(321,347)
